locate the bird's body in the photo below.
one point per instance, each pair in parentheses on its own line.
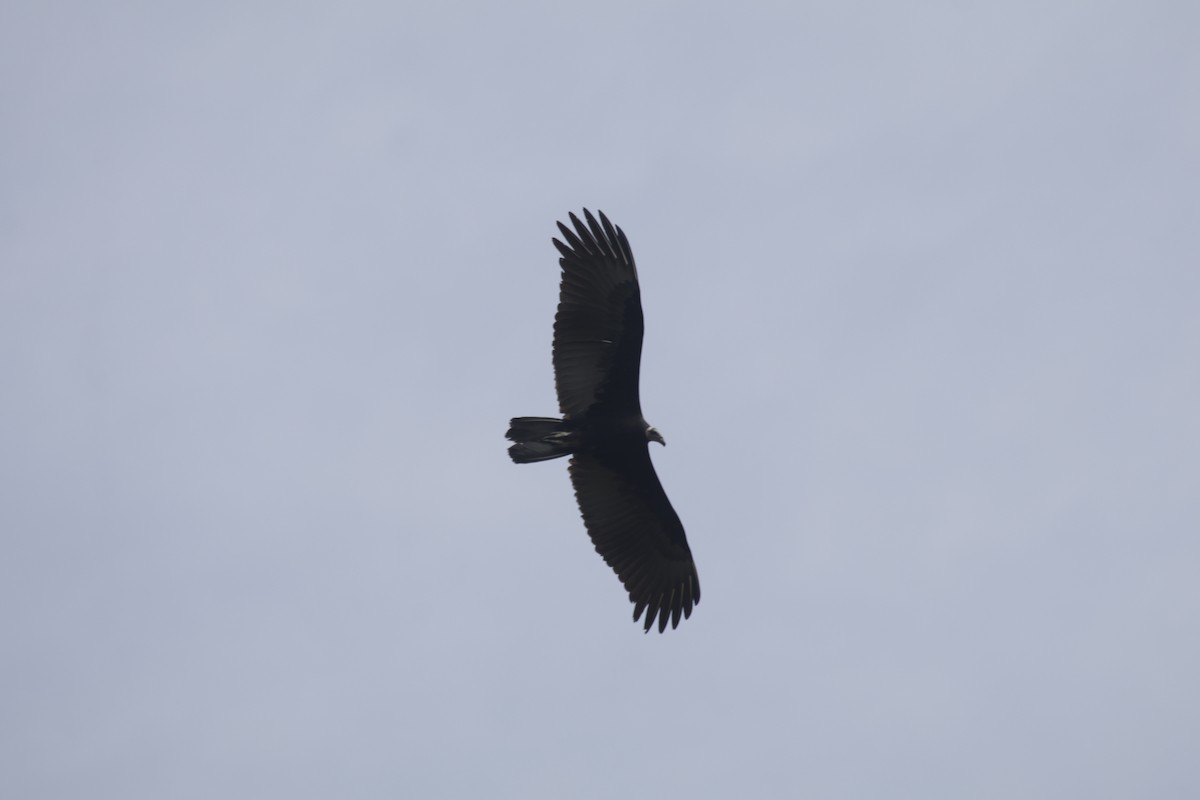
(597,359)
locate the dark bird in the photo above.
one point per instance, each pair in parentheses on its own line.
(597,358)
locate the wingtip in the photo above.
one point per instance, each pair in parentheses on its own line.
(669,608)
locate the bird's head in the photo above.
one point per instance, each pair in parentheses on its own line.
(652,435)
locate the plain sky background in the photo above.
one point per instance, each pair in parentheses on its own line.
(922,290)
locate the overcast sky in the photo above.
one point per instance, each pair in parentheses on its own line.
(922,296)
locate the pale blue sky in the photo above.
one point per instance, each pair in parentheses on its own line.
(921,286)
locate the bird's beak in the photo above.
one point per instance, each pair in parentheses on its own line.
(654,436)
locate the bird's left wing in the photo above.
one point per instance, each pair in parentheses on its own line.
(637,532)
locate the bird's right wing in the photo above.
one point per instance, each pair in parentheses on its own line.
(637,532)
(598,327)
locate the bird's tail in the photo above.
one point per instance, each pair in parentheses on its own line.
(538,439)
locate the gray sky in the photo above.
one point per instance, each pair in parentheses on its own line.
(922,286)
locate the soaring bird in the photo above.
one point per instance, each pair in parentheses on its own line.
(597,359)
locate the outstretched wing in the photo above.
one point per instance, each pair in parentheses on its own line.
(598,327)
(635,530)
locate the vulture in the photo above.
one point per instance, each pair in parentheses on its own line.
(597,358)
